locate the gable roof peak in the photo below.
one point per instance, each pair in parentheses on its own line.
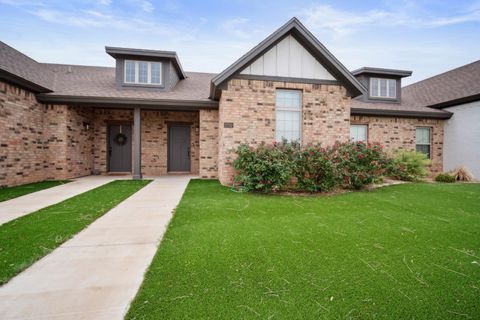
(308,40)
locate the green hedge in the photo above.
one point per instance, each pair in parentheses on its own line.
(290,166)
(445,177)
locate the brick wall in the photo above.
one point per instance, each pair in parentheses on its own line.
(22,159)
(68,141)
(399,133)
(79,141)
(209,144)
(154,138)
(40,142)
(250,106)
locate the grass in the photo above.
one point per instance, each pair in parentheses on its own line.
(399,252)
(17,191)
(27,239)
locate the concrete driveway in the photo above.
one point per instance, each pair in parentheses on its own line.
(96,274)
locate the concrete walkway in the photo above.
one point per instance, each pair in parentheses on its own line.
(15,208)
(96,274)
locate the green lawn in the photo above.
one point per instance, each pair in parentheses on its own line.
(14,192)
(401,252)
(28,238)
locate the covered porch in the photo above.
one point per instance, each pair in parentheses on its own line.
(145,141)
(133,140)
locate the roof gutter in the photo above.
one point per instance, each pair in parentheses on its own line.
(400,113)
(456,102)
(129,102)
(22,82)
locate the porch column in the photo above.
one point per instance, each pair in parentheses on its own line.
(137,144)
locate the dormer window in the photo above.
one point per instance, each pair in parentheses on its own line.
(143,72)
(383,88)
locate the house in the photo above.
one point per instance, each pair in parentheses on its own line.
(147,116)
(458,92)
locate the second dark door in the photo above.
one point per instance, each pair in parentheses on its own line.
(179,148)
(120,148)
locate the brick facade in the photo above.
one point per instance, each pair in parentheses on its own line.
(209,144)
(22,158)
(250,106)
(399,133)
(39,141)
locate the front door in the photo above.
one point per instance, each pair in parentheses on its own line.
(120,148)
(179,148)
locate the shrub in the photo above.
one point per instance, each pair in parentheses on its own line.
(445,177)
(265,168)
(315,170)
(359,163)
(462,174)
(273,168)
(410,165)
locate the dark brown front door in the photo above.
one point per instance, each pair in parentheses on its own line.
(120,148)
(179,148)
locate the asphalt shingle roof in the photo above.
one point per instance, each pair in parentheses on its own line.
(20,65)
(92,81)
(449,86)
(406,105)
(88,81)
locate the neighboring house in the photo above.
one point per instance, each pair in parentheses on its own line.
(147,116)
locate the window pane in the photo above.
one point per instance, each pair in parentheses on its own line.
(288,115)
(287,125)
(155,73)
(383,87)
(424,149)
(358,132)
(289,99)
(374,87)
(422,135)
(130,71)
(142,72)
(422,138)
(392,86)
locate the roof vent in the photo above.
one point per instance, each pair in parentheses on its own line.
(69,69)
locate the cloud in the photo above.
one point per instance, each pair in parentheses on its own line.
(473,16)
(144,5)
(98,19)
(325,18)
(105,2)
(235,27)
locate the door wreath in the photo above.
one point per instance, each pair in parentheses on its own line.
(120,139)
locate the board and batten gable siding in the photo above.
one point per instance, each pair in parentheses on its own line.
(462,138)
(288,58)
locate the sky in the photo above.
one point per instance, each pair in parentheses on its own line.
(427,37)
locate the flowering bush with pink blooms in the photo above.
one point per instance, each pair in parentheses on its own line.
(265,168)
(289,166)
(315,170)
